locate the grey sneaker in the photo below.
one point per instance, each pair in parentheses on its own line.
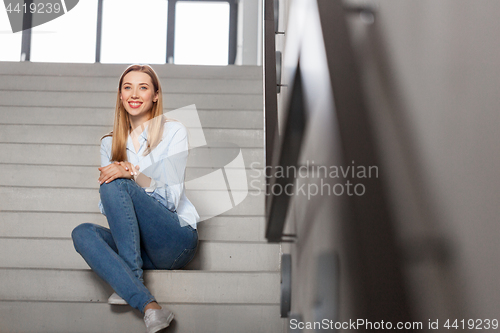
(156,320)
(116,300)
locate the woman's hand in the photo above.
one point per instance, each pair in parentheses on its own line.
(116,170)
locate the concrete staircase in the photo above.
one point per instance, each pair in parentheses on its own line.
(51,119)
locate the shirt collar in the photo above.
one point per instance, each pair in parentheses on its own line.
(142,138)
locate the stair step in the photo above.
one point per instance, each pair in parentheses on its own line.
(115,70)
(52,116)
(178,286)
(86,177)
(38,317)
(110,84)
(86,200)
(103,99)
(86,135)
(60,225)
(36,115)
(211,256)
(88,155)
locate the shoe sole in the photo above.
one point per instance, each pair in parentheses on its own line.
(164,325)
(117,303)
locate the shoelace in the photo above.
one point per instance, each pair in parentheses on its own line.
(149,317)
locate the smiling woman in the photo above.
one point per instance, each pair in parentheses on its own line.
(138,96)
(152,224)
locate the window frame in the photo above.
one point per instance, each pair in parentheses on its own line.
(233,26)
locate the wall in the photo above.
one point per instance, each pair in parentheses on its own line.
(430,73)
(249,33)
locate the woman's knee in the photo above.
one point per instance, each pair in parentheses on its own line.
(81,233)
(108,188)
(111,188)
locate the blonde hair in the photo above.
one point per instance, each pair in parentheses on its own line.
(121,126)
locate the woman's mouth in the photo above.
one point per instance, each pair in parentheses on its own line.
(134,105)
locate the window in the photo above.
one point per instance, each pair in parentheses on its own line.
(69,38)
(134,31)
(11,43)
(201,33)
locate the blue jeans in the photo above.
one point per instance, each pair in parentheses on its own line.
(143,234)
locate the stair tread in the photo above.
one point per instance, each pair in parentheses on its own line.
(59,225)
(109,84)
(211,256)
(86,176)
(115,70)
(87,155)
(232,285)
(90,135)
(49,115)
(86,201)
(99,317)
(179,286)
(103,99)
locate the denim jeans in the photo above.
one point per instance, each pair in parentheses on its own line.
(143,234)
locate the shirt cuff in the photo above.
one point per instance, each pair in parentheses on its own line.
(151,187)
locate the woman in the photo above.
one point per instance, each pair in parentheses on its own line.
(152,224)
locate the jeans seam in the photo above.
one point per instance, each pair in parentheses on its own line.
(180,256)
(146,303)
(121,262)
(129,224)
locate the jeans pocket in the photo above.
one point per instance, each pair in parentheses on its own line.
(184,258)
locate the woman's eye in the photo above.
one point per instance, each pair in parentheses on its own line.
(126,87)
(144,88)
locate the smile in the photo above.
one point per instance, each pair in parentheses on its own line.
(135,105)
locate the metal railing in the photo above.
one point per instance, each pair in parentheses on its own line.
(367,226)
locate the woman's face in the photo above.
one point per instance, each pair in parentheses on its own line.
(137,94)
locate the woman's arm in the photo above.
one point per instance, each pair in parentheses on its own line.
(114,171)
(141,179)
(109,170)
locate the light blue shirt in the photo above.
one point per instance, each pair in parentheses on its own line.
(165,165)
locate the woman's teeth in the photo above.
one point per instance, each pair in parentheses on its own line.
(135,104)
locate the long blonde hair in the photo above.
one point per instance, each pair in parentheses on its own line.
(121,125)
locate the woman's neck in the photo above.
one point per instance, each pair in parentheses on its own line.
(137,126)
(136,122)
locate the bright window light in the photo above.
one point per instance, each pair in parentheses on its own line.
(134,31)
(68,38)
(11,43)
(201,33)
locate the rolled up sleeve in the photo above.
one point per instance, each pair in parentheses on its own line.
(105,160)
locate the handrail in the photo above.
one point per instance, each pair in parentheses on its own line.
(287,155)
(369,229)
(270,88)
(26,35)
(367,226)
